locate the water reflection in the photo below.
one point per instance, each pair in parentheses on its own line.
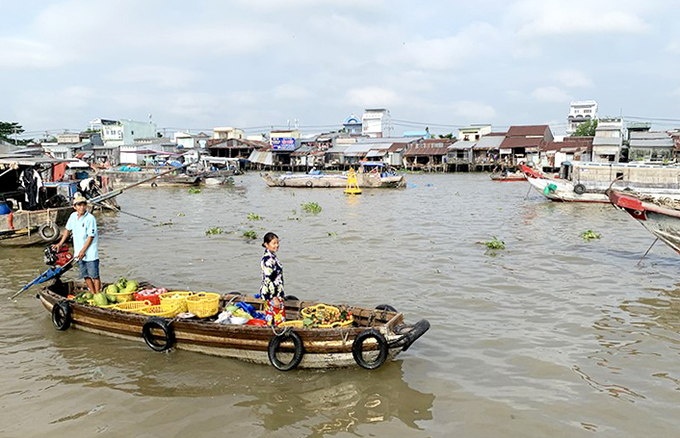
(323,402)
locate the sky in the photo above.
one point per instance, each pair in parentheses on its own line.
(257,64)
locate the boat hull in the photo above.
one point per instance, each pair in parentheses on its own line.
(323,347)
(333,181)
(24,228)
(661,216)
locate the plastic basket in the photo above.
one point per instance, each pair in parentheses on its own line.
(175,299)
(132,306)
(330,311)
(298,323)
(292,323)
(152,295)
(159,311)
(203,304)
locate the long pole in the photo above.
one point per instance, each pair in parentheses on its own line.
(117,192)
(650,247)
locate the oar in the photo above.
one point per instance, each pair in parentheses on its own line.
(51,273)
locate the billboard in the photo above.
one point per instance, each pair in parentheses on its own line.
(283,143)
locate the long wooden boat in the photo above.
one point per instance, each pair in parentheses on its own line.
(117,179)
(660,216)
(514,176)
(376,334)
(365,180)
(24,227)
(589,182)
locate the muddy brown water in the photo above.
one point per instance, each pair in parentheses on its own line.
(553,336)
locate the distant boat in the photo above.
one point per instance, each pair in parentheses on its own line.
(370,175)
(589,182)
(512,176)
(660,216)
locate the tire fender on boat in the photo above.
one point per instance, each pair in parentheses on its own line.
(291,298)
(274,345)
(358,349)
(154,184)
(579,189)
(61,315)
(168,333)
(386,307)
(49,231)
(308,184)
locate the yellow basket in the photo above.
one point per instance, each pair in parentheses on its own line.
(307,311)
(159,311)
(297,323)
(203,304)
(175,299)
(132,306)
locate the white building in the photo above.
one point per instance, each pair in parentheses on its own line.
(228,133)
(473,132)
(580,112)
(122,134)
(376,123)
(187,141)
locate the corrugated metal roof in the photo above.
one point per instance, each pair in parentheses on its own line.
(521,142)
(523,131)
(462,145)
(653,143)
(649,136)
(260,157)
(489,142)
(607,141)
(419,151)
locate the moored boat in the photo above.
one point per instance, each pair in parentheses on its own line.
(589,182)
(369,175)
(373,336)
(660,216)
(513,176)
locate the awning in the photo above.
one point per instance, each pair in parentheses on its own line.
(265,158)
(380,153)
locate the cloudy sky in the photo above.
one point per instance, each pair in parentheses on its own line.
(253,64)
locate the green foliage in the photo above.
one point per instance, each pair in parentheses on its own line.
(586,129)
(254,217)
(495,244)
(9,129)
(194,190)
(250,234)
(332,233)
(589,235)
(312,208)
(214,230)
(449,136)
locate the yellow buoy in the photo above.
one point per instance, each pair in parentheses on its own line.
(352,187)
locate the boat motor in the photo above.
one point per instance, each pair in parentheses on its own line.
(60,257)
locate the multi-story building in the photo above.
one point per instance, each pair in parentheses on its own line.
(228,133)
(580,112)
(608,140)
(473,132)
(122,134)
(376,123)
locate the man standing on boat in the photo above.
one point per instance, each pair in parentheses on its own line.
(83,225)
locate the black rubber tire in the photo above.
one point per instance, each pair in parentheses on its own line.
(154,184)
(61,315)
(309,184)
(49,232)
(274,345)
(328,184)
(162,324)
(283,184)
(385,307)
(579,189)
(291,298)
(358,349)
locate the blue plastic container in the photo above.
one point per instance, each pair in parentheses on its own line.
(4,209)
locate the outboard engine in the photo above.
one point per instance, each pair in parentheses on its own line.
(57,258)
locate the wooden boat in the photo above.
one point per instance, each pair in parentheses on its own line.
(660,216)
(589,182)
(374,336)
(370,175)
(24,227)
(117,178)
(513,176)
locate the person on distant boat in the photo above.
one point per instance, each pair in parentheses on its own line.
(83,225)
(271,289)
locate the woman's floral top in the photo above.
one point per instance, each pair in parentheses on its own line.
(272,277)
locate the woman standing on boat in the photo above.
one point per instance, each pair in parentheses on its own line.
(271,289)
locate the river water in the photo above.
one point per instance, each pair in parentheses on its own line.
(552,336)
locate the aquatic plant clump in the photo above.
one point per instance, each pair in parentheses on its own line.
(194,190)
(254,217)
(590,235)
(312,208)
(495,244)
(214,230)
(250,234)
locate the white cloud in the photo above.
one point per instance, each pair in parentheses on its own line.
(291,92)
(577,17)
(22,53)
(466,48)
(155,75)
(573,79)
(472,111)
(367,97)
(550,94)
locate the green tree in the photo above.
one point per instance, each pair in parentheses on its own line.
(449,136)
(586,129)
(9,129)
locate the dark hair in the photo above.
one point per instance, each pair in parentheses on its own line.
(268,238)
